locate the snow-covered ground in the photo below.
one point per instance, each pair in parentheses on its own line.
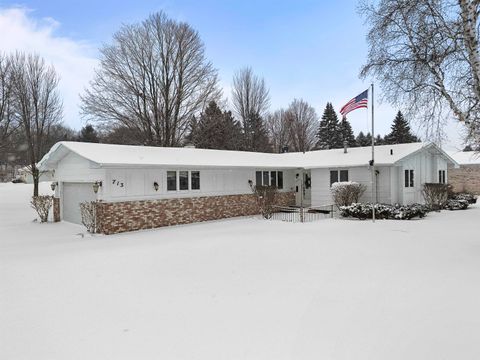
(240,289)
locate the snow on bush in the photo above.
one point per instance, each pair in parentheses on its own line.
(453,204)
(383,211)
(346,192)
(266,197)
(472,199)
(42,205)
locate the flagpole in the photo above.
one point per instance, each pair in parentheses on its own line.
(374,185)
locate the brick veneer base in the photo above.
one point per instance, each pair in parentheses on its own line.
(466,178)
(116,217)
(56,209)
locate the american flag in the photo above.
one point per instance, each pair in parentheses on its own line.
(358,102)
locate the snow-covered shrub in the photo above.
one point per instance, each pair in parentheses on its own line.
(472,199)
(346,192)
(435,195)
(453,204)
(88,212)
(42,205)
(383,211)
(266,197)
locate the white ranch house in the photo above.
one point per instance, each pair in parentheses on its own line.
(143,187)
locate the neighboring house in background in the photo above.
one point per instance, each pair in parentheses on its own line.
(139,187)
(466,178)
(25,174)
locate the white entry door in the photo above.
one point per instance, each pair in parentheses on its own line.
(73,195)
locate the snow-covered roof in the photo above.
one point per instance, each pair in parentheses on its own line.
(107,155)
(466,157)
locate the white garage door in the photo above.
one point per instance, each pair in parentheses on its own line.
(73,195)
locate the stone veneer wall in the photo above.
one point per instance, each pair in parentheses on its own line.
(56,209)
(116,217)
(465,179)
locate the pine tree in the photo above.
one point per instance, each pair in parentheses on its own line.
(400,132)
(347,133)
(379,140)
(88,134)
(329,132)
(216,129)
(362,140)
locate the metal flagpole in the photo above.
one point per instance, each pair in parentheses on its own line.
(374,182)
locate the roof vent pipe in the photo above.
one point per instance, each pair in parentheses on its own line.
(345,144)
(391,151)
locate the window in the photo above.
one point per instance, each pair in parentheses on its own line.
(183,180)
(409,178)
(258,178)
(441,176)
(265,178)
(273,178)
(171,180)
(280,179)
(195,180)
(336,176)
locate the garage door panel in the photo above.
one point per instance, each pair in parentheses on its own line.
(73,195)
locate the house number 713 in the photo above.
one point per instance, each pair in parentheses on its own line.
(118,183)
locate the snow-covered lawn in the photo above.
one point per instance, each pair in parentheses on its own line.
(240,289)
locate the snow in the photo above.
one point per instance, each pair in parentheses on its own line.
(466,157)
(127,155)
(239,289)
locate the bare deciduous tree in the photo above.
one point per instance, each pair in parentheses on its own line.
(152,79)
(303,124)
(7,123)
(37,105)
(249,94)
(425,53)
(278,129)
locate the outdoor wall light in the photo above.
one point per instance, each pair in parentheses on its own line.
(96,185)
(53,185)
(155,185)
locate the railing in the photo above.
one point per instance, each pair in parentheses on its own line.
(302,214)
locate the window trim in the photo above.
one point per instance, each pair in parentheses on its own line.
(442,176)
(338,171)
(261,174)
(409,178)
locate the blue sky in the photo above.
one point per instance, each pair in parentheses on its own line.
(304,49)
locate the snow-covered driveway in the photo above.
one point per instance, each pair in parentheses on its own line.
(240,289)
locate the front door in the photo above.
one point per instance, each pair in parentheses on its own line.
(303,188)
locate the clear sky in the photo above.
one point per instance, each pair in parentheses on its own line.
(304,49)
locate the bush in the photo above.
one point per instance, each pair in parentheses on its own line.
(470,198)
(383,211)
(435,195)
(266,197)
(42,205)
(89,219)
(453,204)
(347,192)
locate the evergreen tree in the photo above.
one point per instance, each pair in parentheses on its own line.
(346,133)
(400,132)
(88,134)
(362,140)
(329,132)
(216,129)
(255,134)
(379,140)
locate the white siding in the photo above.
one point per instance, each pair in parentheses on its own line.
(362,174)
(137,184)
(74,168)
